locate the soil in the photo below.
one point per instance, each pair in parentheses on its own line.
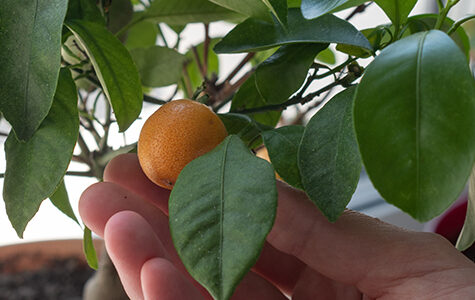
(48,279)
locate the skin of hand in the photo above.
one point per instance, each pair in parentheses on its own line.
(305,256)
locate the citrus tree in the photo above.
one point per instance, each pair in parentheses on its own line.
(407,116)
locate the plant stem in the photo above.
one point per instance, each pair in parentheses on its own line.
(457,24)
(162,35)
(187,81)
(206,49)
(153,100)
(80,173)
(198,62)
(359,9)
(238,68)
(444,12)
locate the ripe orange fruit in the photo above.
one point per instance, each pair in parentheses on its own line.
(173,136)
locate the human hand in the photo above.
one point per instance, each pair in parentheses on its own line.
(305,256)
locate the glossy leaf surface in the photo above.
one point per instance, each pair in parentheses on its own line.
(282,145)
(278,9)
(329,160)
(278,77)
(158,66)
(255,35)
(35,168)
(312,9)
(414,123)
(114,68)
(30,49)
(219,221)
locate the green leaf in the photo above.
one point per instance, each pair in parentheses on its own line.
(282,145)
(397,10)
(255,35)
(182,12)
(86,10)
(326,56)
(414,119)
(329,161)
(249,8)
(374,35)
(219,221)
(158,66)
(60,199)
(243,126)
(192,68)
(35,168)
(142,35)
(467,235)
(294,3)
(30,49)
(119,14)
(115,69)
(248,97)
(278,9)
(426,22)
(89,251)
(312,9)
(284,72)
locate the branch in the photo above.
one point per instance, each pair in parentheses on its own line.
(153,100)
(198,62)
(238,68)
(80,173)
(206,49)
(359,9)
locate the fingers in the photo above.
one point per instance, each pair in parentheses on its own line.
(356,250)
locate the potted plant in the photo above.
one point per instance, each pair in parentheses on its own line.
(401,103)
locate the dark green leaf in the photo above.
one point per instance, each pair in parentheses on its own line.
(115,69)
(158,66)
(60,199)
(119,14)
(30,49)
(327,56)
(282,145)
(427,22)
(219,221)
(243,126)
(142,35)
(278,9)
(414,119)
(329,160)
(255,35)
(89,251)
(248,8)
(182,12)
(467,234)
(374,35)
(86,10)
(192,68)
(35,168)
(312,9)
(284,72)
(397,10)
(293,3)
(248,97)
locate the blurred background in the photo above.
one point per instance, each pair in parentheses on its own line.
(49,223)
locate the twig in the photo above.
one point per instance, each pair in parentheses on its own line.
(153,100)
(198,62)
(359,9)
(80,173)
(187,81)
(206,49)
(238,68)
(162,35)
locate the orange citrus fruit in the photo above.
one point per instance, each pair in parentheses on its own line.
(174,135)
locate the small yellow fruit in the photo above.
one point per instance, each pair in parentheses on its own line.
(173,136)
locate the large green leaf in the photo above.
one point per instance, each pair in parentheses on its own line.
(329,160)
(291,63)
(142,35)
(114,67)
(426,22)
(312,9)
(255,35)
(414,119)
(467,235)
(182,12)
(397,10)
(60,199)
(245,127)
(35,168)
(282,145)
(221,209)
(278,9)
(158,66)
(248,97)
(30,49)
(250,8)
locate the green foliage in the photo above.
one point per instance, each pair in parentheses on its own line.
(114,67)
(142,35)
(89,249)
(60,199)
(245,127)
(291,62)
(32,175)
(248,8)
(278,9)
(219,222)
(312,9)
(256,35)
(30,66)
(283,145)
(414,129)
(328,156)
(467,235)
(152,62)
(397,10)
